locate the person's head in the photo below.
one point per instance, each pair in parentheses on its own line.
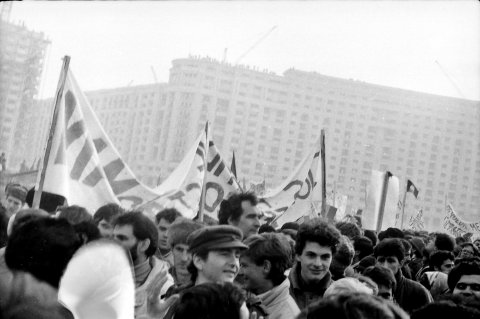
(87,231)
(353,306)
(74,214)
(177,240)
(350,230)
(215,253)
(25,215)
(371,235)
(408,249)
(445,309)
(290,230)
(363,247)
(468,250)
(342,258)
(442,260)
(266,228)
(264,263)
(390,253)
(464,280)
(391,232)
(15,196)
(240,210)
(137,234)
(42,247)
(418,246)
(441,241)
(384,279)
(104,217)
(316,243)
(348,285)
(212,301)
(163,220)
(476,242)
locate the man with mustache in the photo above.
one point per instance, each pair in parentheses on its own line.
(310,276)
(138,234)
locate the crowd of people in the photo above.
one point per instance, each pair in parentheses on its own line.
(112,263)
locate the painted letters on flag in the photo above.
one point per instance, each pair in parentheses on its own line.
(416,222)
(183,187)
(292,199)
(220,182)
(371,214)
(456,226)
(84,166)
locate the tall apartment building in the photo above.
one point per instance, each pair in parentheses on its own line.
(272,121)
(22,54)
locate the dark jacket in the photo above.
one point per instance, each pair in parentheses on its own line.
(302,295)
(410,295)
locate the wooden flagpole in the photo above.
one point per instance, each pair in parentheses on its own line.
(58,99)
(204,186)
(403,206)
(324,179)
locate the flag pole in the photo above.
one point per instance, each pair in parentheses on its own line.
(58,99)
(403,206)
(204,186)
(324,180)
(383,199)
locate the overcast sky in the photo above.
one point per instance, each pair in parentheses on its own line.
(431,46)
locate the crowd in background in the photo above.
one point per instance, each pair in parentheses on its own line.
(71,263)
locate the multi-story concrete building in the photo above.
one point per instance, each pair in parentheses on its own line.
(22,53)
(272,121)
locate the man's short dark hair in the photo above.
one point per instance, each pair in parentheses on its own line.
(231,208)
(108,213)
(390,247)
(381,275)
(444,242)
(42,247)
(391,232)
(319,232)
(169,214)
(371,235)
(74,214)
(364,246)
(272,247)
(467,267)
(438,257)
(445,309)
(350,230)
(143,228)
(210,300)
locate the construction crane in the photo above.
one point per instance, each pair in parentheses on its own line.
(450,79)
(154,74)
(253,46)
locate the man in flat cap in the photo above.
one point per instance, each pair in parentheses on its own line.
(215,253)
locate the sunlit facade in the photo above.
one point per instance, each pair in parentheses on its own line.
(272,121)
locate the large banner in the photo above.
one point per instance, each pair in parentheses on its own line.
(374,194)
(457,227)
(83,165)
(293,198)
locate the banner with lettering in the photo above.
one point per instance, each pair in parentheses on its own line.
(220,182)
(338,201)
(293,198)
(371,215)
(183,187)
(84,166)
(456,226)
(416,222)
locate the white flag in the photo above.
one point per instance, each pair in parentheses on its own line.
(83,165)
(293,198)
(183,187)
(372,212)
